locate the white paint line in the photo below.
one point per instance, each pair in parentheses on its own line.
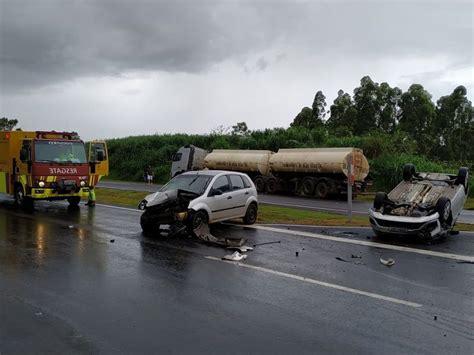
(322,283)
(311,208)
(365,243)
(311,226)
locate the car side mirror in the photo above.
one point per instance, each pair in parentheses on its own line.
(215,192)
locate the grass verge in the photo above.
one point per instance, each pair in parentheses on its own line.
(266,213)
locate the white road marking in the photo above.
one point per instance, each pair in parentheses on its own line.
(322,283)
(456,257)
(120,208)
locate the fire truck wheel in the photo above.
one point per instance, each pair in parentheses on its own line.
(19,195)
(74,201)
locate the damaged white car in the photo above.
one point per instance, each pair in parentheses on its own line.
(195,198)
(426,205)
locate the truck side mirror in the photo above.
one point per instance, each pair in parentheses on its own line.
(100,155)
(23,154)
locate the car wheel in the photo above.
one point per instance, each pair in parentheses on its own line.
(74,201)
(443,207)
(271,186)
(251,214)
(259,183)
(322,190)
(408,172)
(463,178)
(308,186)
(380,198)
(149,225)
(198,219)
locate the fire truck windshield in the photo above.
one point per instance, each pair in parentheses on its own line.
(59,152)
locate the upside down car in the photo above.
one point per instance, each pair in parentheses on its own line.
(425,205)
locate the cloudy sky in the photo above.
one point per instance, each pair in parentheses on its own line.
(115,68)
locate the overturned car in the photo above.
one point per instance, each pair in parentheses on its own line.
(426,205)
(193,199)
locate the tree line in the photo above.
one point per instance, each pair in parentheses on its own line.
(443,131)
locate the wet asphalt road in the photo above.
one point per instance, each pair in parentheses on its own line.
(358,207)
(65,287)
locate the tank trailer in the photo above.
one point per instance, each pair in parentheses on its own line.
(317,172)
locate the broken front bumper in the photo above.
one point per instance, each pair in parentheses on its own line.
(428,226)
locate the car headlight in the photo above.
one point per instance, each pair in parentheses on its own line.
(181,216)
(142,205)
(41,184)
(83,183)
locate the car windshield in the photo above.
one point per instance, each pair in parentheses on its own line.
(60,152)
(195,183)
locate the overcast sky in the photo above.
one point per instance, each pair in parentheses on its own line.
(119,68)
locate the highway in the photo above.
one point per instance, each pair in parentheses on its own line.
(87,281)
(358,207)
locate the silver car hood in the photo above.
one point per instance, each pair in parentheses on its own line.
(161,197)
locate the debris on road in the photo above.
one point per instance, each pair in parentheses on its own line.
(242,249)
(388,262)
(71,227)
(112,240)
(204,234)
(236,256)
(297,254)
(465,262)
(356,256)
(265,243)
(341,259)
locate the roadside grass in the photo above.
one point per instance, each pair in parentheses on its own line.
(267,213)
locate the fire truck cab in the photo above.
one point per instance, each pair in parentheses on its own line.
(49,165)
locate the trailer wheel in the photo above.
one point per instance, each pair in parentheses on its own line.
(74,200)
(322,190)
(308,186)
(271,186)
(259,183)
(463,178)
(251,214)
(408,172)
(443,207)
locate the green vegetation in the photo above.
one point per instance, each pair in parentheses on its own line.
(392,127)
(266,213)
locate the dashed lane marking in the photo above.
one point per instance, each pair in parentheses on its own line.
(456,257)
(322,283)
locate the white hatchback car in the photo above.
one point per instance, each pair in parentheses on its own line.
(197,197)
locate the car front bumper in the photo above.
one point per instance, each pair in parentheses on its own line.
(425,227)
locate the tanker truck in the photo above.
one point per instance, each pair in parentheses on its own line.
(318,172)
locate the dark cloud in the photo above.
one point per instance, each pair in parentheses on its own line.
(45,42)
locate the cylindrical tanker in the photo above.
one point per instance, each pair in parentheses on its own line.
(252,162)
(313,161)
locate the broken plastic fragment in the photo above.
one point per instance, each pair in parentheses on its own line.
(388,262)
(242,249)
(236,256)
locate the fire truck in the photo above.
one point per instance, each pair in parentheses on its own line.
(49,165)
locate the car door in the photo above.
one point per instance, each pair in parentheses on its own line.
(239,194)
(220,205)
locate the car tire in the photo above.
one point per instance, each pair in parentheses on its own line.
(196,221)
(408,172)
(379,200)
(307,185)
(149,226)
(251,214)
(259,183)
(322,190)
(74,201)
(271,186)
(463,178)
(443,207)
